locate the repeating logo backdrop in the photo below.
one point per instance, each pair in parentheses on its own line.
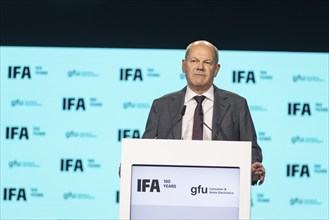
(64,112)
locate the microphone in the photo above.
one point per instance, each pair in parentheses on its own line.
(182,113)
(212,132)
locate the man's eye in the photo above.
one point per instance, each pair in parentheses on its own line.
(193,61)
(209,63)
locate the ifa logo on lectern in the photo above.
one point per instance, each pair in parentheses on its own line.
(148,185)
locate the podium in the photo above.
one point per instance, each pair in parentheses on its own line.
(185,179)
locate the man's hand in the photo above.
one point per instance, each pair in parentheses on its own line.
(258,172)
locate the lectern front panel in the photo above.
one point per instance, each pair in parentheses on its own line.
(184,192)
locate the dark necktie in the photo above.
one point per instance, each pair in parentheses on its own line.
(197,124)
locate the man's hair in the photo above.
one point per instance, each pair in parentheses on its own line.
(204,42)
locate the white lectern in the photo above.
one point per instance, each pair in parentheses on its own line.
(184,179)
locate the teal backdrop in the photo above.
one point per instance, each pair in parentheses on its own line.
(64,112)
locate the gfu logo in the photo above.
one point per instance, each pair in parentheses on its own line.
(19,72)
(130,74)
(199,189)
(150,184)
(17,194)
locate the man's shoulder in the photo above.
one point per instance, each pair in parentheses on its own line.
(228,94)
(171,96)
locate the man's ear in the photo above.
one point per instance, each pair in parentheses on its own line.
(183,66)
(217,69)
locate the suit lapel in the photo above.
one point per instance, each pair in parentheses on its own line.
(220,109)
(175,110)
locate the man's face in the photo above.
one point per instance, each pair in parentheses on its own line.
(200,67)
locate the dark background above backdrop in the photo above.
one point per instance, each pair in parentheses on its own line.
(230,24)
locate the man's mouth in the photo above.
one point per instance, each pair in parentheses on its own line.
(199,74)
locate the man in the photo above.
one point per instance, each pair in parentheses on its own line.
(225,115)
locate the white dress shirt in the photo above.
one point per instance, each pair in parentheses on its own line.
(207,106)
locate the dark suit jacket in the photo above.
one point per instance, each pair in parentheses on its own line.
(231,119)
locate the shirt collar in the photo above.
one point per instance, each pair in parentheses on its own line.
(190,94)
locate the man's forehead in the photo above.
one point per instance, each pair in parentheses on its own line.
(203,46)
(201,51)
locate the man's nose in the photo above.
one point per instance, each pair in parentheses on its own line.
(200,66)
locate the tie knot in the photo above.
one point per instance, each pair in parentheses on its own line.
(199,99)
